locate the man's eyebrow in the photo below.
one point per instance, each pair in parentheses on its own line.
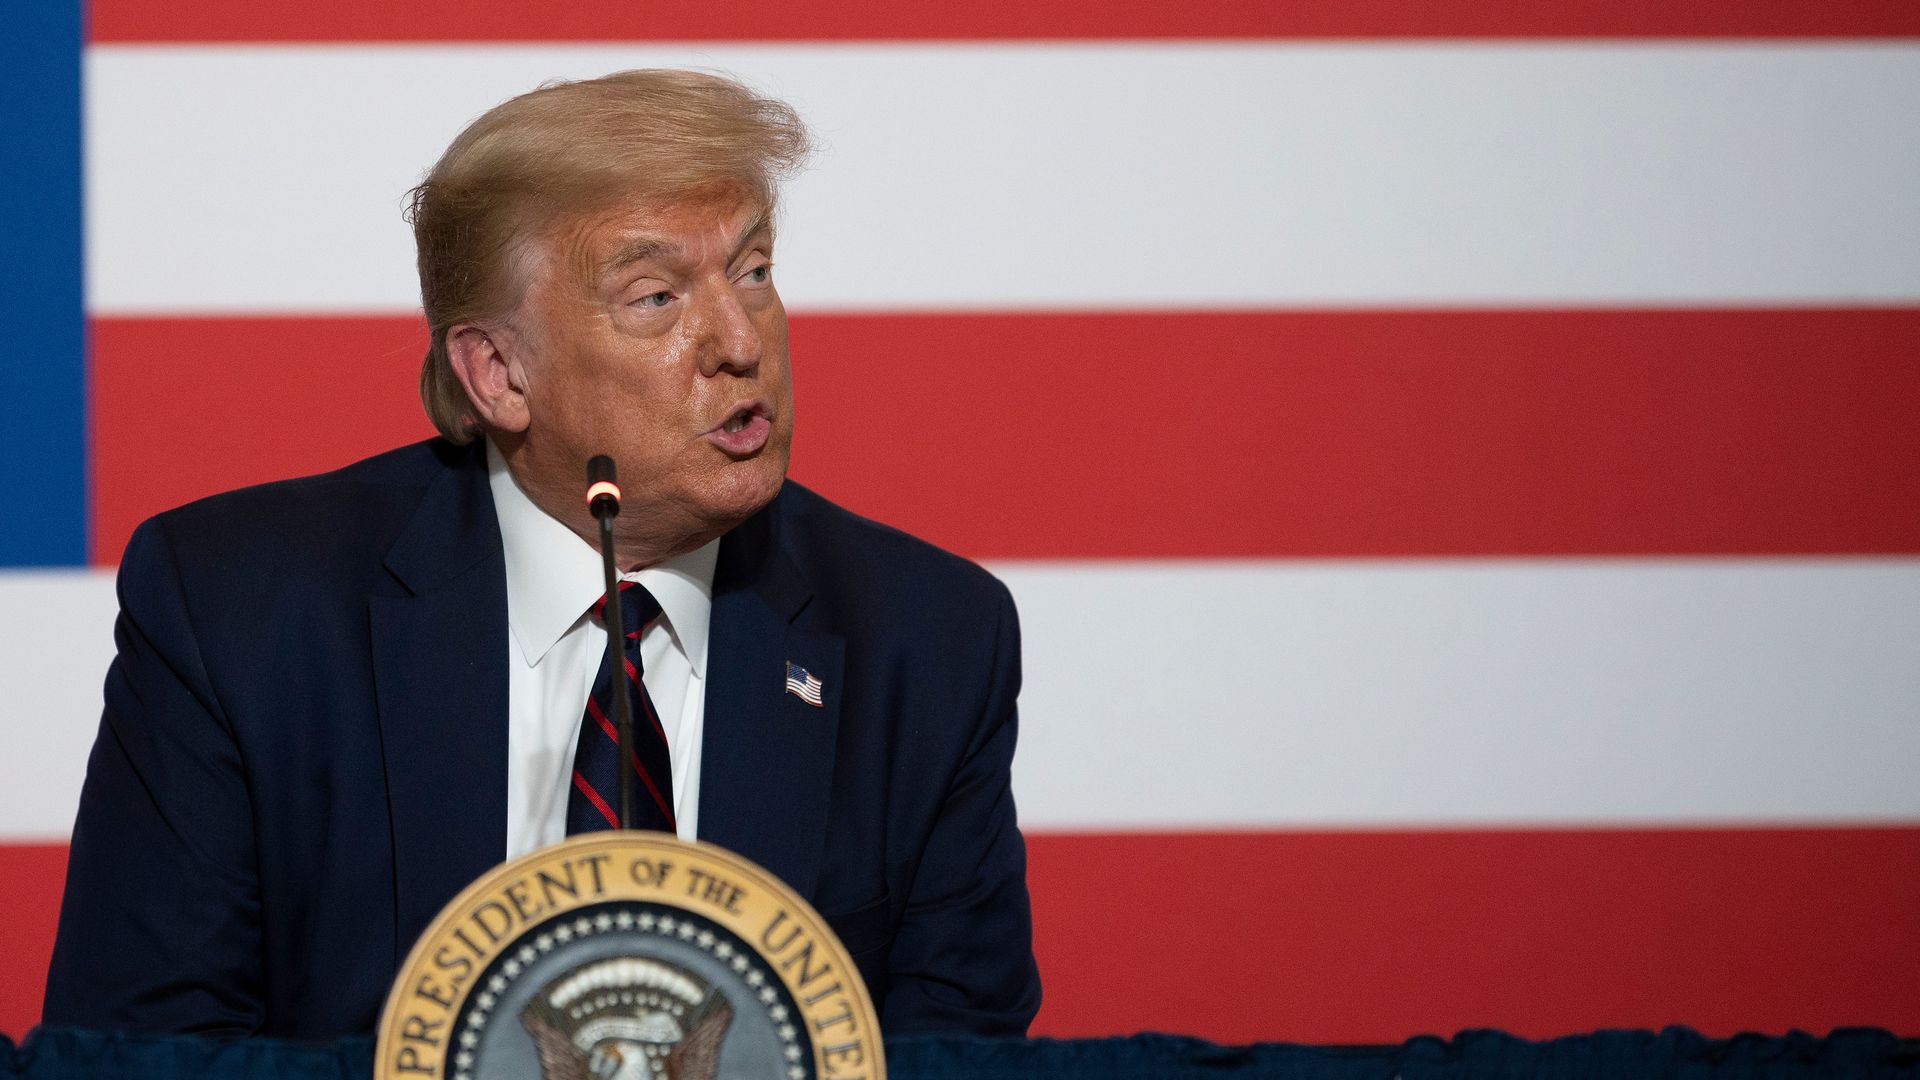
(638,250)
(761,221)
(652,247)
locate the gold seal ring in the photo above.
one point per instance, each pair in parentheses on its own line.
(628,956)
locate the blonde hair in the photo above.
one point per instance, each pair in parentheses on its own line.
(567,149)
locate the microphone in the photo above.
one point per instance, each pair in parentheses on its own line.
(603,495)
(603,502)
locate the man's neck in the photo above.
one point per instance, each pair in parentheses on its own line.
(643,536)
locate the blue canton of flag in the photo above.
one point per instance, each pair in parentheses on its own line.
(802,684)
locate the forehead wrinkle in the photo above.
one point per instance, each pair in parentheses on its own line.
(643,248)
(639,250)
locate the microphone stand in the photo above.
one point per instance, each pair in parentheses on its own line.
(603,499)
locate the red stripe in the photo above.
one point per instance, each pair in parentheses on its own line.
(633,676)
(646,700)
(1260,434)
(157,448)
(1376,937)
(580,782)
(613,734)
(600,613)
(35,874)
(599,717)
(1355,937)
(822,20)
(600,605)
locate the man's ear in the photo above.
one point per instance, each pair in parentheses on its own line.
(494,381)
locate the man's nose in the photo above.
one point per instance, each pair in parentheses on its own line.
(729,339)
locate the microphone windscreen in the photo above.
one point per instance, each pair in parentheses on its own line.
(603,495)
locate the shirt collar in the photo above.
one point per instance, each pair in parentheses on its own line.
(553,576)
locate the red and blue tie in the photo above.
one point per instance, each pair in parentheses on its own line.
(592,805)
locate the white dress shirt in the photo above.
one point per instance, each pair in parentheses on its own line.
(554,650)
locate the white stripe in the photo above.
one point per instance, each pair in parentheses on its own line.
(1084,175)
(1484,692)
(1275,694)
(56,639)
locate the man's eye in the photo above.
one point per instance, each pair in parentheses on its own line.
(655,300)
(760,274)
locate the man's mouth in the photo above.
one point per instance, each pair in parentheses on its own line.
(744,431)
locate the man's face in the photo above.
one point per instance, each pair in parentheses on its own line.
(654,334)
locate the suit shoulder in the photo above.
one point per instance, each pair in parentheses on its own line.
(309,517)
(841,545)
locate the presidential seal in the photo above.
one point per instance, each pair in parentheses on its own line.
(628,956)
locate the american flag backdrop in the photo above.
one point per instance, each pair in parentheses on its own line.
(1458,464)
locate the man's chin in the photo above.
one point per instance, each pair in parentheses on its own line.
(743,489)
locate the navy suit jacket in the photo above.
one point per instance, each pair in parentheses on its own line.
(303,753)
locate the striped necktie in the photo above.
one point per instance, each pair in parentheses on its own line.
(593,803)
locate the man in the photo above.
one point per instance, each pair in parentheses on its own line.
(339,699)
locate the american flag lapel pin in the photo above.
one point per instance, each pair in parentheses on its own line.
(803,684)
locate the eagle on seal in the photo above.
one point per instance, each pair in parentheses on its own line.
(628,1018)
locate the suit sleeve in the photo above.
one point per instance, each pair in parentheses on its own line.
(160,925)
(962,958)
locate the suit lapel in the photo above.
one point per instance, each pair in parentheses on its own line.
(767,769)
(439,651)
